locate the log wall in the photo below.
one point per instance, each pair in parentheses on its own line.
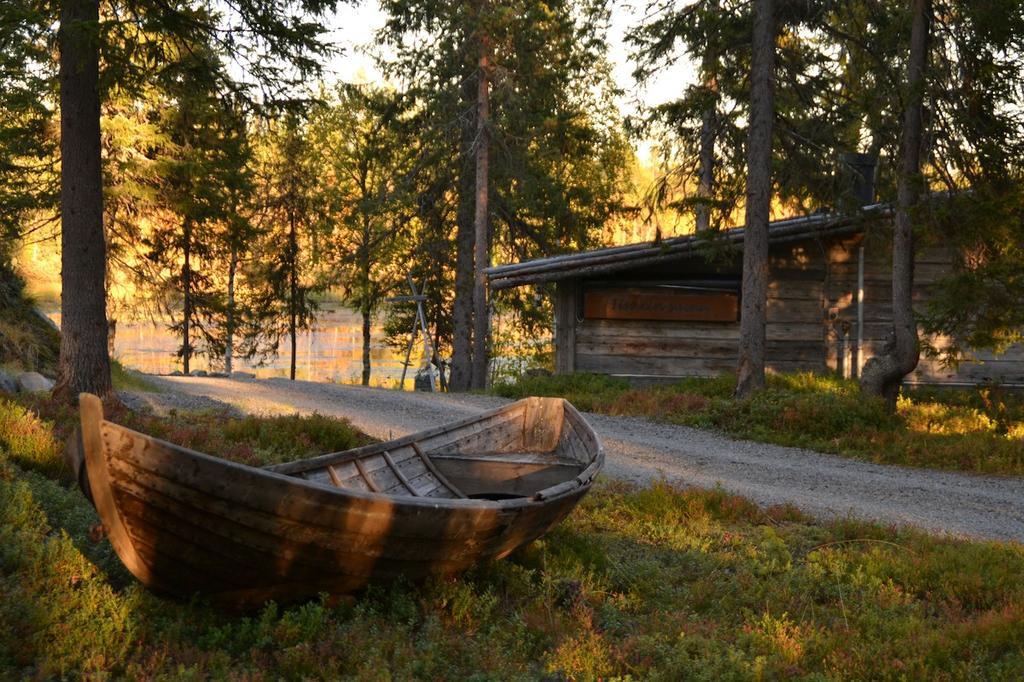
(642,348)
(930,265)
(812,316)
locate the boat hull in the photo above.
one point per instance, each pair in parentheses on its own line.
(185,523)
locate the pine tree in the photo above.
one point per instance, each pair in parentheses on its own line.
(750,372)
(971,145)
(360,144)
(133,142)
(279,53)
(84,363)
(240,231)
(199,171)
(29,183)
(884,373)
(287,271)
(430,246)
(556,149)
(481,208)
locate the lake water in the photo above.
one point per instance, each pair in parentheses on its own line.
(332,351)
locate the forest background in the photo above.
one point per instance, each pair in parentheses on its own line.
(240,183)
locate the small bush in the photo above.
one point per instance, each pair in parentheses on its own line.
(252,440)
(659,404)
(588,392)
(279,438)
(29,440)
(34,429)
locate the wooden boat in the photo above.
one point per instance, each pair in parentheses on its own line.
(432,503)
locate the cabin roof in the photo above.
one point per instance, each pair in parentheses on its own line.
(619,258)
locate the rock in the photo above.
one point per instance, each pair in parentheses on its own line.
(8,384)
(176,373)
(46,318)
(217,375)
(243,375)
(34,382)
(198,373)
(132,401)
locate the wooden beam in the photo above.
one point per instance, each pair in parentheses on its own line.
(565,326)
(437,474)
(405,299)
(398,474)
(366,476)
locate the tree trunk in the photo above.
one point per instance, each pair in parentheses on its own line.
(365,298)
(111,220)
(481,318)
(293,290)
(705,185)
(367,319)
(84,363)
(441,379)
(883,374)
(229,323)
(186,286)
(759,196)
(462,308)
(708,134)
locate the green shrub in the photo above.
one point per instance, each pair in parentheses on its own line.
(29,440)
(61,617)
(252,440)
(279,438)
(588,392)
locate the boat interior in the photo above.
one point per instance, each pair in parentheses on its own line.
(515,452)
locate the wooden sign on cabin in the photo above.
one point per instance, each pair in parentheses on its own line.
(661,303)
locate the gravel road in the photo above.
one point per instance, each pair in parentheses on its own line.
(642,451)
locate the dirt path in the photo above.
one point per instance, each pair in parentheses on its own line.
(642,451)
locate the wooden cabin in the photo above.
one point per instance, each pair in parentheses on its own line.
(662,311)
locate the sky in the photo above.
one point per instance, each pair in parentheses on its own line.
(354,26)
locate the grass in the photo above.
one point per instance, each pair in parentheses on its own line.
(979,431)
(26,339)
(657,583)
(125,379)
